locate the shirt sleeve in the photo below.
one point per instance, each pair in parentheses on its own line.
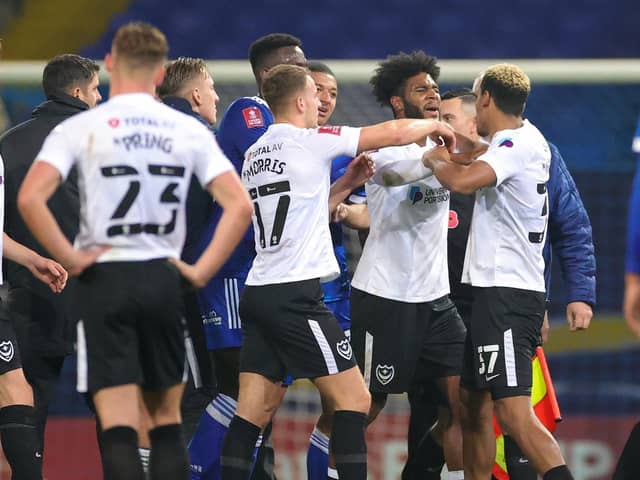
(570,233)
(58,150)
(334,141)
(242,125)
(504,156)
(396,169)
(209,161)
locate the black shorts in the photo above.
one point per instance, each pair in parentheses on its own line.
(398,343)
(9,352)
(287,329)
(502,337)
(132,327)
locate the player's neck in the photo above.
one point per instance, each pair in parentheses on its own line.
(123,86)
(502,121)
(295,120)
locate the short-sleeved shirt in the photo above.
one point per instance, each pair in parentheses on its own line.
(287,175)
(405,256)
(135,157)
(509,222)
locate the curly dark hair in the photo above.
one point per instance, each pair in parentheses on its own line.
(391,75)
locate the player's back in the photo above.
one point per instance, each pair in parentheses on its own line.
(135,157)
(287,175)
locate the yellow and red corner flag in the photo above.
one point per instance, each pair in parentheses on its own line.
(545,406)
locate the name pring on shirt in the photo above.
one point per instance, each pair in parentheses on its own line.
(134,172)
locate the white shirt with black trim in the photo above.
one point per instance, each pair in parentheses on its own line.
(509,222)
(135,157)
(405,256)
(287,173)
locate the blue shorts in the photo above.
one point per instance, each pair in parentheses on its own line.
(340,309)
(218,302)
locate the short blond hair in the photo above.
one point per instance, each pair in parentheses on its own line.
(281,83)
(508,85)
(140,44)
(179,72)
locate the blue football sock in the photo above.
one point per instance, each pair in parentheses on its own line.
(318,456)
(206,445)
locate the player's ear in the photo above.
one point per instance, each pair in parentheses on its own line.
(196,98)
(300,104)
(397,105)
(158,75)
(485,99)
(75,92)
(108,62)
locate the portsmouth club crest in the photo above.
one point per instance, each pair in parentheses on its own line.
(6,351)
(385,373)
(344,349)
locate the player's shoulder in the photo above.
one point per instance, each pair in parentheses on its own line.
(522,139)
(253,112)
(244,102)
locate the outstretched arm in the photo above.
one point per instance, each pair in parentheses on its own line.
(456,177)
(404,131)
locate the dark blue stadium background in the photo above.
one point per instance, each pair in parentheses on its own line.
(373,28)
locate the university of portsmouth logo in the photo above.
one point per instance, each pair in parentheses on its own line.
(385,373)
(344,349)
(507,142)
(415,194)
(6,351)
(113,122)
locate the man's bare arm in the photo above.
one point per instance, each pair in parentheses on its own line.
(353,216)
(459,178)
(358,172)
(44,269)
(404,131)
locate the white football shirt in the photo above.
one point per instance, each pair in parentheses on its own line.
(509,222)
(287,173)
(135,157)
(405,255)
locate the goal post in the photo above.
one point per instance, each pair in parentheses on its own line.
(558,71)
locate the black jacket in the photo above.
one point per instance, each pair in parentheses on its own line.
(43,318)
